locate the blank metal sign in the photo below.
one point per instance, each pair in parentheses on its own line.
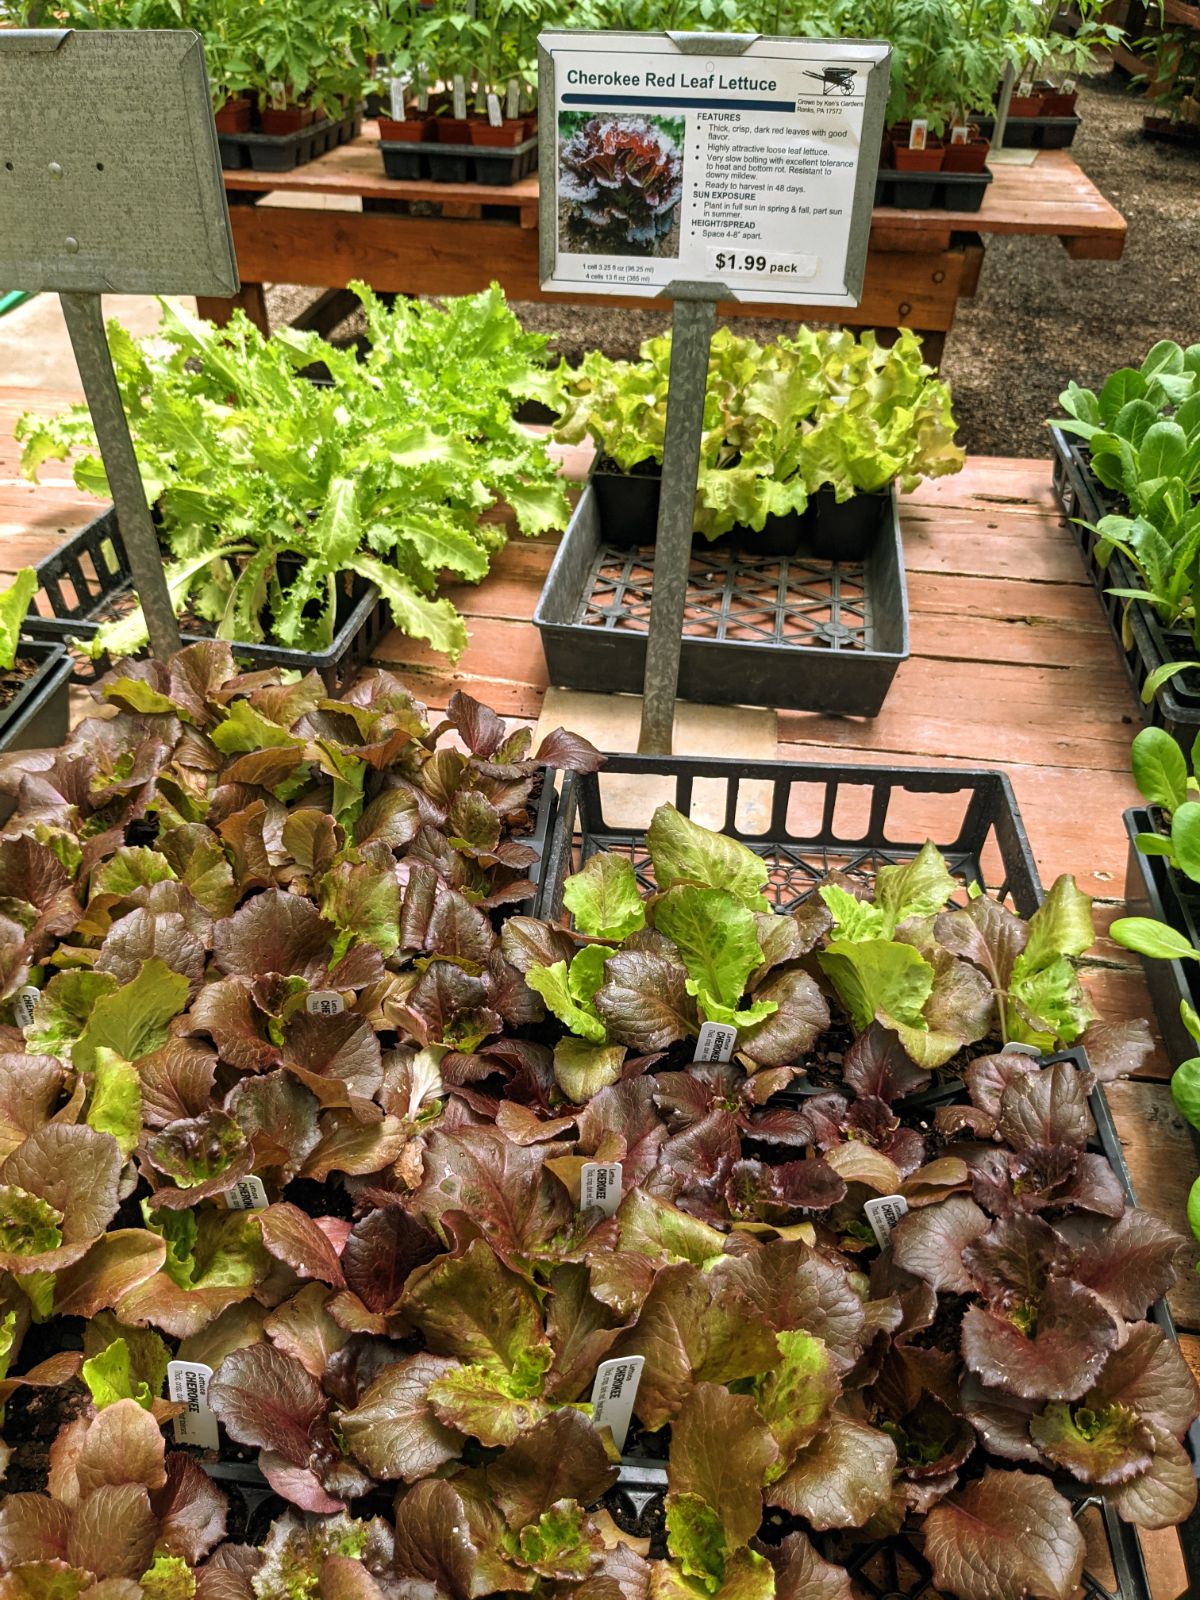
(110,177)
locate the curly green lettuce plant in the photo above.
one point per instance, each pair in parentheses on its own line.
(271,491)
(822,409)
(14,603)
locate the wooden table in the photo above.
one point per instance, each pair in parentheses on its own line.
(1013,666)
(921,263)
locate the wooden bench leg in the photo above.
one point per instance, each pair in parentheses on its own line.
(251,299)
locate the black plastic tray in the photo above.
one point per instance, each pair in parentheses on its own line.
(1144,643)
(79,582)
(931,191)
(804,820)
(280,152)
(36,716)
(1164,131)
(497,166)
(778,631)
(895,1568)
(1151,891)
(889,1569)
(1033,133)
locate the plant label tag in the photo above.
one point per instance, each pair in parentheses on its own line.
(187,1383)
(613,1395)
(247,1194)
(396,97)
(493,110)
(422,99)
(716,1042)
(512,99)
(23,1004)
(883,1213)
(1015,1049)
(960,134)
(460,97)
(918,134)
(600,1186)
(1025,87)
(1067,86)
(324,1003)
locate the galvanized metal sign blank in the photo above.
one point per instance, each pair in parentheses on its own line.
(110,177)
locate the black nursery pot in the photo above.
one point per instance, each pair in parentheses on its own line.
(628,502)
(628,505)
(780,536)
(845,531)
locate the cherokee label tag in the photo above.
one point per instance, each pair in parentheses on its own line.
(600,1186)
(247,1194)
(460,97)
(23,1004)
(614,1393)
(187,1383)
(883,1213)
(512,99)
(493,110)
(716,1042)
(324,1003)
(396,96)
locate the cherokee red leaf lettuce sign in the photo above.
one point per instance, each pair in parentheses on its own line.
(726,160)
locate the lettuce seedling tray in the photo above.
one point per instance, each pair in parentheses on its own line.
(932,191)
(88,581)
(1145,644)
(769,630)
(805,820)
(495,167)
(280,152)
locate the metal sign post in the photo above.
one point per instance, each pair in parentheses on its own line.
(699,168)
(110,183)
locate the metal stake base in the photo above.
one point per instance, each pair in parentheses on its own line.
(692,324)
(85,324)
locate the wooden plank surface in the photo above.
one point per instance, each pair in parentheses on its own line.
(1052,196)
(1012,666)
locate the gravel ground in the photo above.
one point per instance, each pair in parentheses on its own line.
(1038,318)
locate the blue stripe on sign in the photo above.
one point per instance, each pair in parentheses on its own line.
(662,100)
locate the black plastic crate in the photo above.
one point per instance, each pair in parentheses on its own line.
(1145,644)
(777,631)
(281,152)
(1034,133)
(497,166)
(79,584)
(545,812)
(804,819)
(932,191)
